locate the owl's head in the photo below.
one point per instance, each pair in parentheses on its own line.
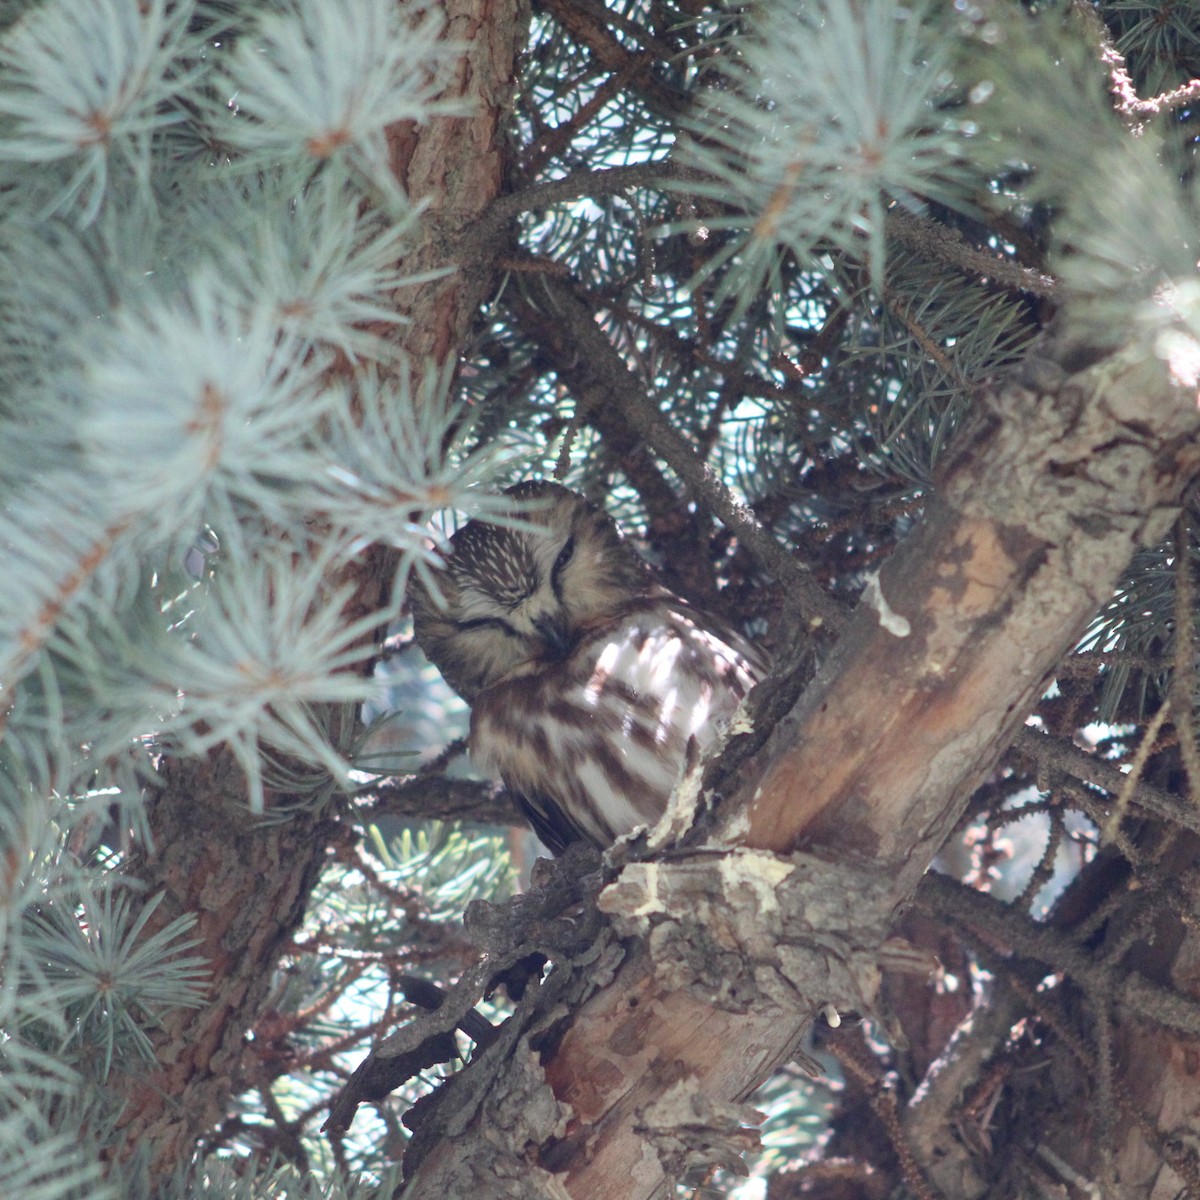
(518,598)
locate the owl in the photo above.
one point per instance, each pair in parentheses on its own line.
(592,686)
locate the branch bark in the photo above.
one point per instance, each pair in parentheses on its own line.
(599,375)
(729,951)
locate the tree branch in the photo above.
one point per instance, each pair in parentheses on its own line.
(1060,755)
(938,243)
(1061,474)
(602,377)
(1132,109)
(1009,929)
(440,798)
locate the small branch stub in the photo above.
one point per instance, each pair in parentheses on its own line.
(889,619)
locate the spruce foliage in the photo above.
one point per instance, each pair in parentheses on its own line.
(809,231)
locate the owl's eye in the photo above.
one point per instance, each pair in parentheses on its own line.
(488,623)
(564,556)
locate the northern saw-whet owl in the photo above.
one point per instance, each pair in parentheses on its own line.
(592,686)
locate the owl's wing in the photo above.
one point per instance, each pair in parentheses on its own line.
(554,828)
(595,745)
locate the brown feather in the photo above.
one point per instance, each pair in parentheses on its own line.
(592,686)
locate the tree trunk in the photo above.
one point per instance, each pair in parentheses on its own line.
(249,881)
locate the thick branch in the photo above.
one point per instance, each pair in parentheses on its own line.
(1060,477)
(1040,507)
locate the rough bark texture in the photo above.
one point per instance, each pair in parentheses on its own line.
(1040,508)
(247,884)
(1060,476)
(248,881)
(458,167)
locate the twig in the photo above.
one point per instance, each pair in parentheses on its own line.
(579,184)
(556,140)
(928,1117)
(850,1050)
(903,313)
(1061,755)
(435,796)
(921,235)
(942,244)
(1105,1100)
(1183,683)
(1085,662)
(587,23)
(1044,870)
(999,923)
(1142,755)
(1133,110)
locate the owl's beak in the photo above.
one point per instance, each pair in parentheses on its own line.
(556,634)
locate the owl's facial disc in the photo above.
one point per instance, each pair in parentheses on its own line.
(525,602)
(525,596)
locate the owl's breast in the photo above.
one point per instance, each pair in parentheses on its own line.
(603,737)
